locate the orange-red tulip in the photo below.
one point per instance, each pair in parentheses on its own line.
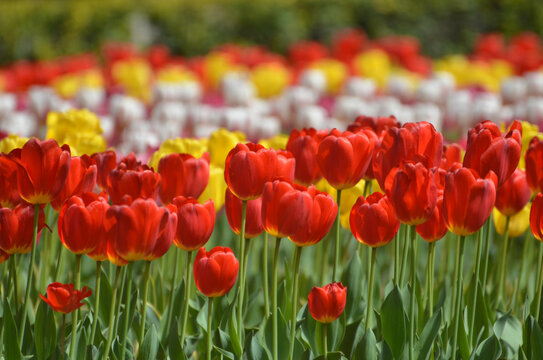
(166,235)
(373,221)
(233,207)
(304,145)
(534,165)
(452,154)
(63,298)
(514,194)
(9,194)
(182,175)
(536,217)
(327,303)
(216,271)
(105,163)
(17,227)
(126,185)
(81,178)
(195,222)
(434,228)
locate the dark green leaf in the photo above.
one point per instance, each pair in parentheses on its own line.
(428,336)
(11,341)
(489,349)
(367,347)
(149,347)
(352,280)
(393,322)
(536,340)
(45,331)
(233,332)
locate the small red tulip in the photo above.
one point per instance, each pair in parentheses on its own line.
(514,194)
(182,175)
(126,185)
(490,150)
(304,145)
(452,154)
(413,194)
(233,207)
(378,124)
(216,271)
(534,165)
(43,170)
(373,221)
(195,222)
(17,228)
(81,178)
(9,194)
(321,216)
(284,207)
(327,303)
(286,165)
(247,168)
(63,298)
(343,158)
(434,227)
(467,200)
(105,163)
(536,217)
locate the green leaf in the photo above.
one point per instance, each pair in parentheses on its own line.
(256,351)
(233,332)
(393,322)
(105,297)
(149,347)
(509,330)
(45,331)
(428,336)
(224,353)
(11,341)
(367,347)
(489,349)
(536,339)
(175,350)
(352,280)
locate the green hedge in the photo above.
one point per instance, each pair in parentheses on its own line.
(47,29)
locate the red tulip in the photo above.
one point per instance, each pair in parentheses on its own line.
(417,142)
(304,145)
(216,271)
(378,124)
(321,216)
(452,154)
(343,158)
(514,194)
(233,207)
(413,194)
(43,170)
(182,175)
(247,168)
(468,200)
(434,227)
(327,303)
(286,165)
(136,228)
(166,235)
(347,44)
(284,207)
(489,150)
(9,194)
(105,163)
(131,162)
(373,221)
(63,298)
(126,185)
(3,256)
(195,222)
(534,165)
(81,178)
(536,217)
(17,228)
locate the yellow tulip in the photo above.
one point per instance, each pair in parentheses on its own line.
(517,224)
(135,76)
(216,187)
(275,142)
(72,121)
(194,147)
(11,142)
(334,71)
(67,85)
(373,64)
(175,74)
(85,143)
(270,79)
(221,142)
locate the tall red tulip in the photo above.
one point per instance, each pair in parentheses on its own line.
(253,225)
(490,150)
(536,217)
(468,200)
(126,185)
(327,303)
(100,252)
(105,163)
(43,170)
(195,222)
(16,228)
(343,158)
(434,227)
(413,194)
(9,194)
(373,221)
(534,165)
(514,194)
(216,271)
(304,145)
(247,168)
(63,298)
(182,175)
(81,178)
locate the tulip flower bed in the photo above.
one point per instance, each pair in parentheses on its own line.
(324,249)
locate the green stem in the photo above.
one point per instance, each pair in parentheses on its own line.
(336,251)
(121,296)
(75,313)
(63,337)
(60,258)
(144,300)
(30,273)
(13,272)
(112,312)
(127,309)
(413,276)
(404,257)
(430,277)
(265,275)
(241,291)
(539,285)
(503,262)
(396,257)
(274,296)
(459,264)
(325,340)
(476,287)
(370,289)
(187,297)
(294,300)
(526,262)
(172,291)
(486,250)
(96,300)
(44,258)
(209,319)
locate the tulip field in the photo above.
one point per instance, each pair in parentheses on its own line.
(357,202)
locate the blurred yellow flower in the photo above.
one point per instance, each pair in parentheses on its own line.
(215,188)
(517,224)
(175,74)
(134,76)
(11,142)
(195,147)
(221,142)
(92,78)
(216,66)
(270,79)
(348,198)
(67,85)
(275,142)
(374,64)
(85,143)
(334,71)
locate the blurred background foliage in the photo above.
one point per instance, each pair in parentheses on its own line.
(48,29)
